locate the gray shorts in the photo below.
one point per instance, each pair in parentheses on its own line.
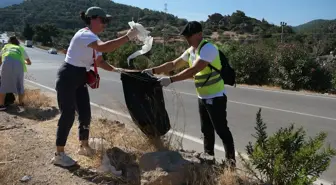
(12,74)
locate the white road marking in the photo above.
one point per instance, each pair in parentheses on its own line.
(316,95)
(265,107)
(289,92)
(249,104)
(174,132)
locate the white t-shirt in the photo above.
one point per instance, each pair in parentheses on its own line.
(208,53)
(79,54)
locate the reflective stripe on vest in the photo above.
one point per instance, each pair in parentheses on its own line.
(215,83)
(14,52)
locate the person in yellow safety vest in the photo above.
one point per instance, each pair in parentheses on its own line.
(13,62)
(212,99)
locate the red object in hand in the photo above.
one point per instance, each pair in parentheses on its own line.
(92,77)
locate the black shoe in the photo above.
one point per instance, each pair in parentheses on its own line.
(212,153)
(231,164)
(3,108)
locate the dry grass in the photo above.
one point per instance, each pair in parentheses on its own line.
(204,174)
(118,135)
(37,100)
(37,106)
(197,174)
(227,177)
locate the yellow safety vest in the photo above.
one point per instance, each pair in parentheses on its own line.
(15,52)
(215,83)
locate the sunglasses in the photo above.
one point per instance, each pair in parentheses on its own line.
(104,20)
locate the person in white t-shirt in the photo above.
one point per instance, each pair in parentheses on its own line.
(210,88)
(72,92)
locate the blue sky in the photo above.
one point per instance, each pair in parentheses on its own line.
(294,12)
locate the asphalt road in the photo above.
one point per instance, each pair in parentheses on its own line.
(279,108)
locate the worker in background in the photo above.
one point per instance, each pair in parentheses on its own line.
(212,99)
(13,62)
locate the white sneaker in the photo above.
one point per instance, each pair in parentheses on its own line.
(63,160)
(86,151)
(206,156)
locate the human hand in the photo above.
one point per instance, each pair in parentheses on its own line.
(27,62)
(132,33)
(148,71)
(165,81)
(118,70)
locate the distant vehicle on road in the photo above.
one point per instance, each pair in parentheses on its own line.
(29,43)
(52,51)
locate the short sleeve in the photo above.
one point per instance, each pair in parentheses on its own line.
(185,55)
(98,53)
(208,52)
(88,37)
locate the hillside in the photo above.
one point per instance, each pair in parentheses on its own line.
(64,14)
(4,3)
(67,18)
(317,26)
(240,23)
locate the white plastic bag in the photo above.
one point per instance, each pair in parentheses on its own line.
(106,167)
(98,144)
(144,37)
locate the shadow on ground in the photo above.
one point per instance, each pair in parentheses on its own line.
(38,114)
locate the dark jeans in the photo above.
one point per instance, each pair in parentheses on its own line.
(72,95)
(213,118)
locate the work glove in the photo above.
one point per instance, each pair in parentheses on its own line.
(165,81)
(148,71)
(132,33)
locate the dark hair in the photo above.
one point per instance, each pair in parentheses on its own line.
(13,40)
(85,18)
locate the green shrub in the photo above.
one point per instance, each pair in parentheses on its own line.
(333,81)
(251,63)
(294,69)
(118,57)
(287,158)
(321,79)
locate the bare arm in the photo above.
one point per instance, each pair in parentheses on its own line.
(169,66)
(198,66)
(103,64)
(110,45)
(25,55)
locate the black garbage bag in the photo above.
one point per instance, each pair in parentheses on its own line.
(9,98)
(145,103)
